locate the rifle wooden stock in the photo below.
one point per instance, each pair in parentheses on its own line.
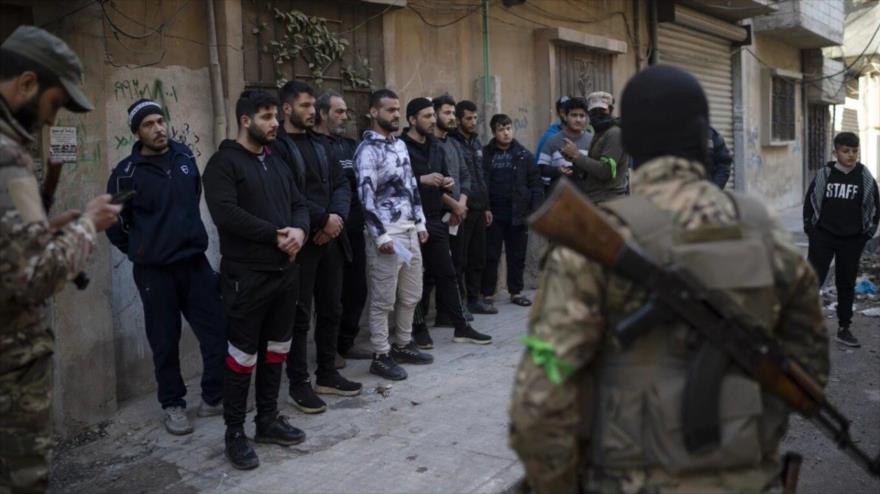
(568,218)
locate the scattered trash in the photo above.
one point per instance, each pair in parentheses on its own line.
(384,390)
(831,306)
(872,312)
(865,287)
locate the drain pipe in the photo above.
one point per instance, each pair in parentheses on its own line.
(219,106)
(487,88)
(652,30)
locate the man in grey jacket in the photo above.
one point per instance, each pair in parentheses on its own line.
(458,167)
(605,170)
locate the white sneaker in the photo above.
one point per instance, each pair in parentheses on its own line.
(176,421)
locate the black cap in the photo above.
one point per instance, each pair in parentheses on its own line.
(664,112)
(416,105)
(139,110)
(49,51)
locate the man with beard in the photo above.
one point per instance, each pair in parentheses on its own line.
(328,196)
(262,221)
(552,163)
(456,199)
(395,228)
(604,170)
(39,74)
(331,118)
(161,232)
(430,163)
(472,233)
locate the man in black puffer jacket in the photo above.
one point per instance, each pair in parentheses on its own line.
(515,190)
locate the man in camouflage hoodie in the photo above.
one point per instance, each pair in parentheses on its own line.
(38,75)
(598,417)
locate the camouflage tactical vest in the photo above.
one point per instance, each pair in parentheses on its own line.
(637,419)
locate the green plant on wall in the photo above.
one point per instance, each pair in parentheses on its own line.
(310,38)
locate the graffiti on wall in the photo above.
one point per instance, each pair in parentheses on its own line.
(127,90)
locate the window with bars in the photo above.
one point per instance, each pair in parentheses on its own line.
(782,101)
(779,109)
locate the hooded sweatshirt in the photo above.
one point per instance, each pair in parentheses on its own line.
(250,196)
(387,187)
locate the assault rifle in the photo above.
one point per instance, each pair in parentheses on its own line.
(729,335)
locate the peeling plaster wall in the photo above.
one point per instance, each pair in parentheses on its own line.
(426,61)
(774,173)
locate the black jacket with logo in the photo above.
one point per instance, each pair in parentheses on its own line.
(528,191)
(162,223)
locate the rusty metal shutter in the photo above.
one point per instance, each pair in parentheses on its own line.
(708,58)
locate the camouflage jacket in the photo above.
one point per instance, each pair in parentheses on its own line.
(577,296)
(35,261)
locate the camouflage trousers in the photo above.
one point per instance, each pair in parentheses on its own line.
(25,408)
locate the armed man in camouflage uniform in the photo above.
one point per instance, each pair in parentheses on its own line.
(38,75)
(590,416)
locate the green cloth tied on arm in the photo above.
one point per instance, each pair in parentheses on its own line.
(544,355)
(612,163)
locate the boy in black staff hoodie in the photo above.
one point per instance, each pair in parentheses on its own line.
(262,221)
(161,231)
(841,213)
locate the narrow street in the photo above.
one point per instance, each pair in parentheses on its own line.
(443,430)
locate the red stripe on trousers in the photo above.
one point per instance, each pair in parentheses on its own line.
(275,358)
(238,368)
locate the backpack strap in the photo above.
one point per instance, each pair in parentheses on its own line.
(651,226)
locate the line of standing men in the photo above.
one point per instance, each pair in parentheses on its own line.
(307,219)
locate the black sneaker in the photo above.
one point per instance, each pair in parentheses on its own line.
(845,337)
(471,335)
(422,338)
(385,366)
(303,397)
(443,321)
(278,431)
(410,354)
(239,450)
(337,385)
(481,307)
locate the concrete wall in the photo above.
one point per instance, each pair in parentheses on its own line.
(85,377)
(869,121)
(426,61)
(421,60)
(773,173)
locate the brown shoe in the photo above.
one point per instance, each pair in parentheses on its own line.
(340,362)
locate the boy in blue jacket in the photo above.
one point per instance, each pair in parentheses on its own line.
(161,231)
